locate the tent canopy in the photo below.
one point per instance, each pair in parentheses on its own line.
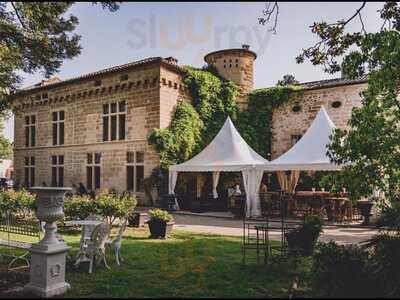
(310,152)
(228,151)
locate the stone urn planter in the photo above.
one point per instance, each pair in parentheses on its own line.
(47,272)
(365,210)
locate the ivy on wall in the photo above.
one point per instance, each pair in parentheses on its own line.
(193,126)
(254,124)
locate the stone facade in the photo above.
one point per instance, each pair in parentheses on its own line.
(150,89)
(236,65)
(150,93)
(286,123)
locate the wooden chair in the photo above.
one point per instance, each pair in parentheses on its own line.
(115,244)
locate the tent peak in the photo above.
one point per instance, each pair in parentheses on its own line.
(228,151)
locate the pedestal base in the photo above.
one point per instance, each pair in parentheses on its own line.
(47,293)
(47,274)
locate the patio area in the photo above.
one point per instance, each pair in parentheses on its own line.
(224,223)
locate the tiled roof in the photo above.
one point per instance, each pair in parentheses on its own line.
(55,83)
(332,82)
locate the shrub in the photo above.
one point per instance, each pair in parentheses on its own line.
(384,264)
(19,202)
(79,207)
(113,205)
(160,215)
(390,215)
(341,271)
(110,205)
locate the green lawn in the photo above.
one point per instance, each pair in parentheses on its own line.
(185,265)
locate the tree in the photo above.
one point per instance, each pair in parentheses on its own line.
(287,80)
(370,147)
(36,36)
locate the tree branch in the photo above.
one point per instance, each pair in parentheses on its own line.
(268,12)
(18,16)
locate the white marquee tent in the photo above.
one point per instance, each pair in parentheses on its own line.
(309,153)
(227,152)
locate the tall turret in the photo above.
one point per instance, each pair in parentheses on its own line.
(235,64)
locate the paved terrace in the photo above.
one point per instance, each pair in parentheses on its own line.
(224,224)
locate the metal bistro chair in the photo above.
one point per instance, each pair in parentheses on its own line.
(95,250)
(115,244)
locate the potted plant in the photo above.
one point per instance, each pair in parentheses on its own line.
(302,240)
(160,223)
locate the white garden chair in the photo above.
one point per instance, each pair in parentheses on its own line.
(95,251)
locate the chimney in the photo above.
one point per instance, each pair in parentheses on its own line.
(172,60)
(245,46)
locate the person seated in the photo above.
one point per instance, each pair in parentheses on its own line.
(82,190)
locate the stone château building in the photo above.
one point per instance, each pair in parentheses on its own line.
(93,128)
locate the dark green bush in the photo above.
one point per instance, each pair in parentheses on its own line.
(390,215)
(341,271)
(384,265)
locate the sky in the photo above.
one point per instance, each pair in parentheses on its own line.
(190,30)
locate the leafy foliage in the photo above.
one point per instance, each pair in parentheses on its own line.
(254,124)
(370,145)
(194,126)
(113,206)
(108,205)
(390,215)
(78,207)
(36,36)
(384,265)
(287,79)
(340,271)
(181,139)
(160,215)
(6,147)
(17,202)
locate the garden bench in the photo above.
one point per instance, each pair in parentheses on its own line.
(13,226)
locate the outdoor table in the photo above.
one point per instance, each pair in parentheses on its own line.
(83,222)
(309,200)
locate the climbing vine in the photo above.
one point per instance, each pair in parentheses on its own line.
(254,123)
(193,126)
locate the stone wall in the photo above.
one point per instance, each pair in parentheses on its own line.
(149,103)
(286,123)
(236,65)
